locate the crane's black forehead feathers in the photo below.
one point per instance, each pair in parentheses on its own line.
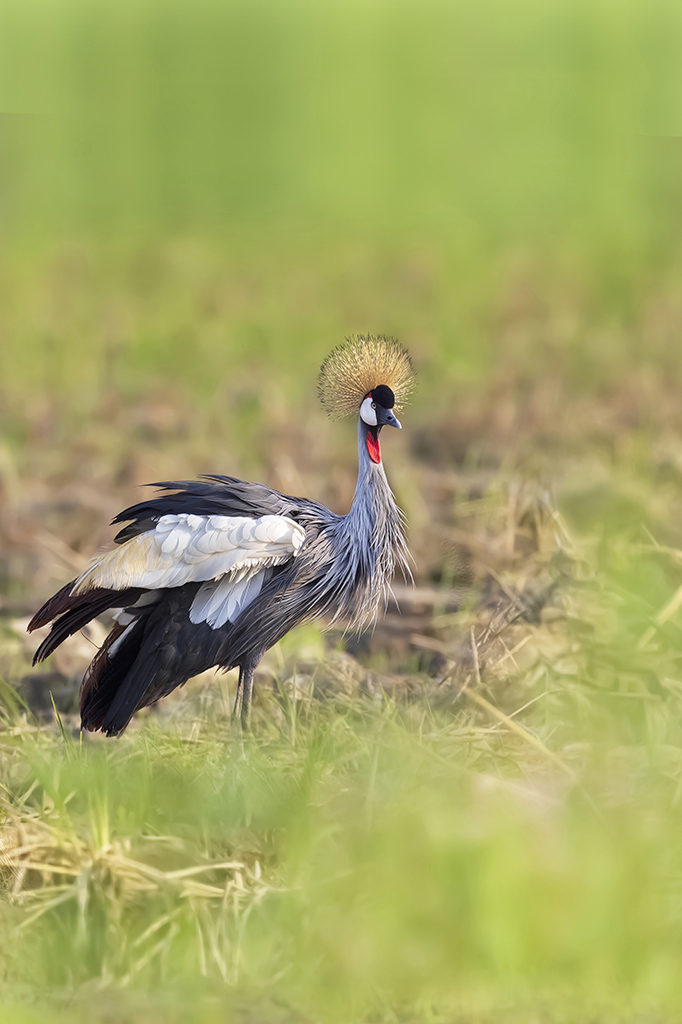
(365,364)
(383,396)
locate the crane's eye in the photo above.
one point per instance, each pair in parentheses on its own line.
(374,405)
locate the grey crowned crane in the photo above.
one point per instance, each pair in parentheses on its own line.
(214,572)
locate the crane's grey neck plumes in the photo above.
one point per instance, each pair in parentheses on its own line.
(374,536)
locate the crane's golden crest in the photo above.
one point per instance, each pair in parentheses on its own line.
(358,366)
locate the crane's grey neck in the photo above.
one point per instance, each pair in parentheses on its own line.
(373,538)
(371,476)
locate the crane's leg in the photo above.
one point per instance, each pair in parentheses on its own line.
(242,704)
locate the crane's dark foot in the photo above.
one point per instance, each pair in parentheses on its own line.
(242,704)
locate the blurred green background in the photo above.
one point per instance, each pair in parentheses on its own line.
(257,180)
(198,201)
(339,140)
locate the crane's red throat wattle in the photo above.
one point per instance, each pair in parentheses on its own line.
(373,448)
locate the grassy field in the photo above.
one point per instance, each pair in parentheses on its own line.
(473,813)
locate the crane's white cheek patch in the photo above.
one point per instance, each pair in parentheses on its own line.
(221,601)
(368,412)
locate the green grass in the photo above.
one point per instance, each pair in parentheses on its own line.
(375,860)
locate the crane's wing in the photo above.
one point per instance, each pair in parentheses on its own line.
(231,556)
(187,548)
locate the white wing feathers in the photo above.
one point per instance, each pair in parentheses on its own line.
(188,549)
(221,601)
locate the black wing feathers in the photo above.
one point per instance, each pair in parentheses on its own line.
(57,604)
(76,612)
(210,496)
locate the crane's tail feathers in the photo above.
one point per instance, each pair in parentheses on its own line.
(107,672)
(57,604)
(146,681)
(70,613)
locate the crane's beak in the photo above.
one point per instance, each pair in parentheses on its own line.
(385,418)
